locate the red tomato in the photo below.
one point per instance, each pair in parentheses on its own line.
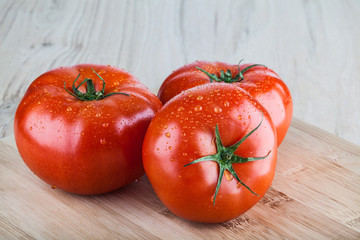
(210,153)
(85,143)
(261,82)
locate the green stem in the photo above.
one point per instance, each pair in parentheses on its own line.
(225,157)
(227,76)
(91,93)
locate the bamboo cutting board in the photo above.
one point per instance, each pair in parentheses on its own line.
(315,195)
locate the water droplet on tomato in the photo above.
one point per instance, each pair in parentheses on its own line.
(98,115)
(170,147)
(217,109)
(184,154)
(102,141)
(199,98)
(68,109)
(197,108)
(167,134)
(228,175)
(226,104)
(172,159)
(184,134)
(30,128)
(105,125)
(180,109)
(239,117)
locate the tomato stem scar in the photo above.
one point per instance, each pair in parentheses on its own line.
(91,94)
(225,157)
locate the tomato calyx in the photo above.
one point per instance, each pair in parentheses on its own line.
(91,94)
(227,76)
(225,157)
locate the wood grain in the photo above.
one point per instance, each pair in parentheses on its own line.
(315,195)
(313,45)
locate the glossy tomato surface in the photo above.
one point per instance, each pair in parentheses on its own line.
(259,81)
(80,146)
(184,131)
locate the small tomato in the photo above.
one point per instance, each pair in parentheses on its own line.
(259,81)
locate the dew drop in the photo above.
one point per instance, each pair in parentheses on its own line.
(98,115)
(180,109)
(226,104)
(102,141)
(167,134)
(105,125)
(68,109)
(239,117)
(170,147)
(184,154)
(172,159)
(82,133)
(197,108)
(184,134)
(30,128)
(199,98)
(228,175)
(217,109)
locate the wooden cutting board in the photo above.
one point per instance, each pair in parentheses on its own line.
(315,195)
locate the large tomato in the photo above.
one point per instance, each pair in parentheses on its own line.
(81,128)
(261,82)
(210,153)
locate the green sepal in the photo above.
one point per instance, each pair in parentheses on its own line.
(225,157)
(91,93)
(227,76)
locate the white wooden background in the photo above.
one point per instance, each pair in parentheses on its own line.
(313,45)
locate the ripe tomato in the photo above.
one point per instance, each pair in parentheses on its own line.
(85,143)
(210,153)
(261,82)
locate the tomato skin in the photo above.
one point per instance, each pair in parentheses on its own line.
(84,147)
(183,131)
(261,82)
